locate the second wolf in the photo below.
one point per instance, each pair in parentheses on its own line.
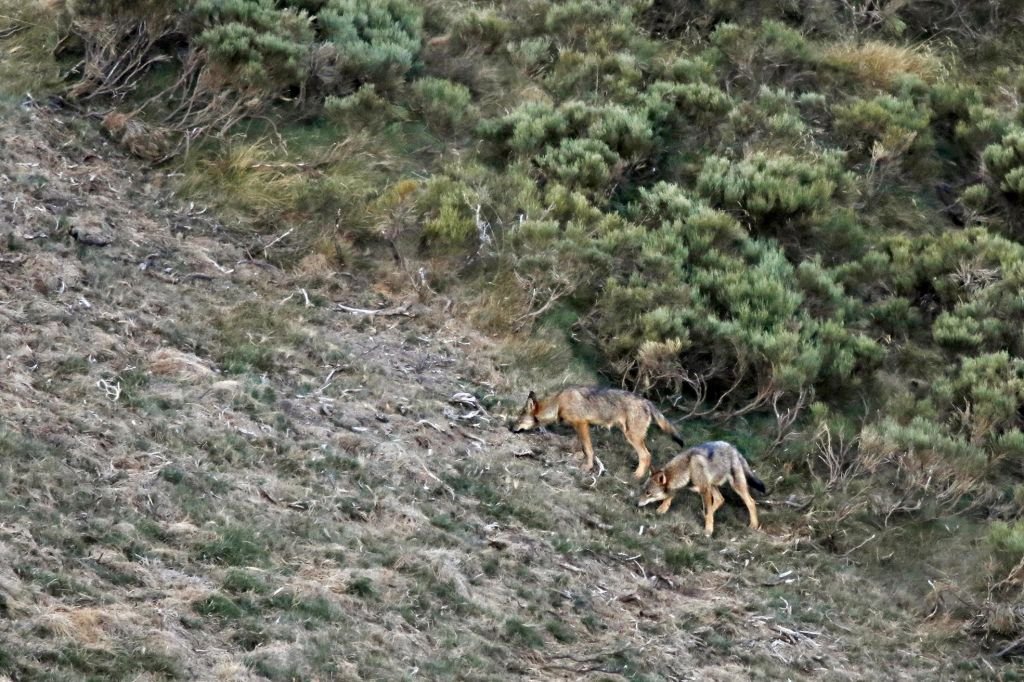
(703,468)
(581,407)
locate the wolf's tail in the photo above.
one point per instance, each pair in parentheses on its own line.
(751,478)
(665,425)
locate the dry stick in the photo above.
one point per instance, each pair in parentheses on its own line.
(276,240)
(394,310)
(854,549)
(1009,647)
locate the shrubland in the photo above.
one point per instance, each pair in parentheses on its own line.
(798,225)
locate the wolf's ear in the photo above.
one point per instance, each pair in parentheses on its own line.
(662,478)
(532,396)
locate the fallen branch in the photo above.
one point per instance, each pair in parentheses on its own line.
(431,425)
(1009,648)
(402,309)
(276,240)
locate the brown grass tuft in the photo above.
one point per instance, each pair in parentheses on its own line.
(175,364)
(880,64)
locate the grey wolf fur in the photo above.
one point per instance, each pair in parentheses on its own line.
(582,407)
(703,468)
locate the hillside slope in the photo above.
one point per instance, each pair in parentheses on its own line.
(210,470)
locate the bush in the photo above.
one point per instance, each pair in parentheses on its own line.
(986,392)
(482,28)
(692,298)
(364,108)
(1004,160)
(537,128)
(444,105)
(615,77)
(768,185)
(884,126)
(260,44)
(772,53)
(596,26)
(374,41)
(581,163)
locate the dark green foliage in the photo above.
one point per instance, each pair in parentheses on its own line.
(771,53)
(1005,160)
(883,125)
(218,606)
(364,108)
(522,634)
(262,44)
(581,164)
(362,587)
(235,546)
(443,105)
(772,185)
(683,558)
(374,41)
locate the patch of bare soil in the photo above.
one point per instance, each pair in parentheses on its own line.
(210,470)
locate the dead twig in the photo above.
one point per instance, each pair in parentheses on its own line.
(402,309)
(275,240)
(1009,648)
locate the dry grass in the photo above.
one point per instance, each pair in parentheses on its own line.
(247,175)
(28,36)
(881,65)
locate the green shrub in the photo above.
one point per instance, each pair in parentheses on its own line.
(364,108)
(261,44)
(445,202)
(596,26)
(376,41)
(771,53)
(1007,541)
(671,106)
(772,184)
(534,128)
(483,28)
(896,124)
(444,105)
(690,294)
(957,332)
(772,120)
(976,197)
(1005,161)
(581,163)
(988,391)
(615,77)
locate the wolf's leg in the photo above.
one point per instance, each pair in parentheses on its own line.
(716,501)
(583,430)
(709,514)
(636,439)
(739,484)
(663,507)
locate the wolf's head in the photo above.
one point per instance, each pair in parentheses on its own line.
(655,489)
(527,420)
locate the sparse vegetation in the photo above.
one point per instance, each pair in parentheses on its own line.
(239,330)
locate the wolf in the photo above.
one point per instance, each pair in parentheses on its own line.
(582,407)
(703,468)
